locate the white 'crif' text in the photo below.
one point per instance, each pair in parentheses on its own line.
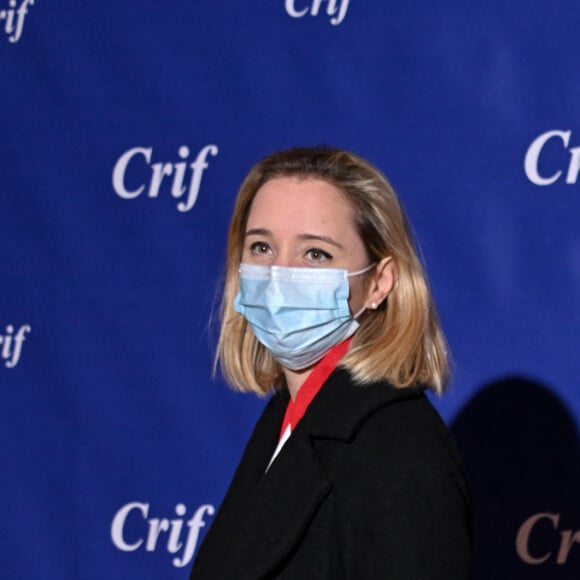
(11,344)
(560,140)
(137,158)
(12,18)
(335,9)
(151,533)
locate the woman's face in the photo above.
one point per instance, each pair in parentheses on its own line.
(305,222)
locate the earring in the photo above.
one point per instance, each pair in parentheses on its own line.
(374,305)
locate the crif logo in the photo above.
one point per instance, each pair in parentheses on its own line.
(13,18)
(557,141)
(138,161)
(557,548)
(11,344)
(132,529)
(335,9)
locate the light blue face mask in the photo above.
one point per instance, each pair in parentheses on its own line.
(298,314)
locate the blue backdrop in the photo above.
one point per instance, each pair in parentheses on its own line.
(125,131)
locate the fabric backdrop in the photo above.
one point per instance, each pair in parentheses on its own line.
(125,131)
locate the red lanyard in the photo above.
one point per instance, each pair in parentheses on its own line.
(296,409)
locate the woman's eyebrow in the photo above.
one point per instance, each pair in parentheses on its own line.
(326,239)
(306,237)
(259,232)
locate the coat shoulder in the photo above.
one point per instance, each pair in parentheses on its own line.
(392,431)
(401,499)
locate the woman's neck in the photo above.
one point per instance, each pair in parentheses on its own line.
(295,379)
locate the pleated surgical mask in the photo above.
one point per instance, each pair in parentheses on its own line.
(298,314)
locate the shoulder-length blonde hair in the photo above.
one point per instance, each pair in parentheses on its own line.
(401,341)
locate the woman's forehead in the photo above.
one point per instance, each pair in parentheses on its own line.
(297,200)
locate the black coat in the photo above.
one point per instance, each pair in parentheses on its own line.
(368,486)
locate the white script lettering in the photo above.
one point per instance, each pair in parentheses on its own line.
(159,170)
(336,9)
(14,18)
(567,539)
(12,344)
(156,527)
(533,155)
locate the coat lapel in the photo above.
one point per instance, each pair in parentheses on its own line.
(265,513)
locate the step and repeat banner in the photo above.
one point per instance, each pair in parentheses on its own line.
(125,131)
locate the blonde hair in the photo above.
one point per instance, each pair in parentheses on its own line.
(401,341)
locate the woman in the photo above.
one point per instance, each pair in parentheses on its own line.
(350,473)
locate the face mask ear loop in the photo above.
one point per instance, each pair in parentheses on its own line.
(359,272)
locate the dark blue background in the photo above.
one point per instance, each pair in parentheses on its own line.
(112,400)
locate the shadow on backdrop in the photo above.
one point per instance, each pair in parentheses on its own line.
(521,451)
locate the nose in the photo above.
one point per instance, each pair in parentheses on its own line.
(283,257)
(281,261)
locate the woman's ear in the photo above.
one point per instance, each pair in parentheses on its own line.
(382,282)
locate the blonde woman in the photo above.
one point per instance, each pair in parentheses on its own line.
(350,473)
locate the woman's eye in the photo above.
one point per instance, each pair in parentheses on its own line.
(318,255)
(258,248)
